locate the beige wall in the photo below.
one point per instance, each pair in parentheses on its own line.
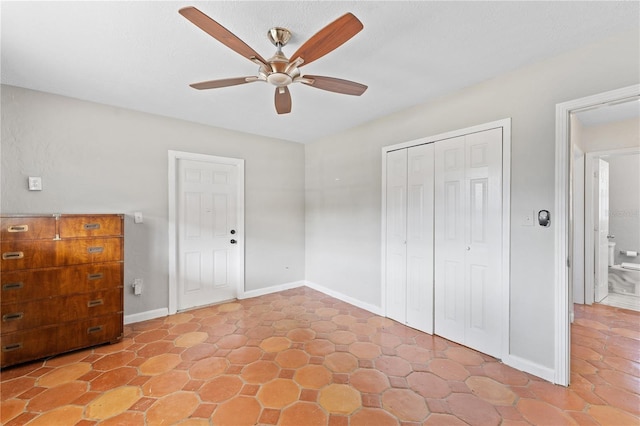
(616,135)
(99,159)
(343,181)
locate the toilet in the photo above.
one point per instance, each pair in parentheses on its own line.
(612,253)
(623,278)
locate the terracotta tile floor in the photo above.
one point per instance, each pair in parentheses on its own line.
(302,358)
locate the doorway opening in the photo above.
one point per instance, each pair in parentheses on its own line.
(564,231)
(611,231)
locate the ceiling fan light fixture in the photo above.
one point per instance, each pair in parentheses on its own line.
(279,70)
(279,79)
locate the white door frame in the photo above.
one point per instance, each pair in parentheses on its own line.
(174,156)
(562,234)
(590,219)
(506,214)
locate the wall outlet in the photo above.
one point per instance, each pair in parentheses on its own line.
(137,286)
(35,183)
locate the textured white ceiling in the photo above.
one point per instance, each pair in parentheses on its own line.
(142,55)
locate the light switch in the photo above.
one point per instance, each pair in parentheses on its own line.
(137,217)
(35,183)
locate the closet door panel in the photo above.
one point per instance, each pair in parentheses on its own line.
(450,205)
(419,313)
(396,234)
(468,206)
(484,241)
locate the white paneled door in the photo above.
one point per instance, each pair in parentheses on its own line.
(207,255)
(396,233)
(468,240)
(602,232)
(409,236)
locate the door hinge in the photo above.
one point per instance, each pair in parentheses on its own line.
(568,263)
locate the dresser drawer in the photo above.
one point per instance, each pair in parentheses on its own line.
(27,228)
(33,344)
(28,345)
(18,255)
(22,286)
(93,331)
(90,226)
(26,254)
(39,313)
(89,250)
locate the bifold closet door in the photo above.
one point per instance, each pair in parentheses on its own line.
(468,240)
(409,257)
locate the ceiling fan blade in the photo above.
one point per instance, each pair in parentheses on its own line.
(219,32)
(329,38)
(337,85)
(214,84)
(283,100)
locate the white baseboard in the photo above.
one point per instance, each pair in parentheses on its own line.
(271,289)
(530,367)
(281,287)
(147,315)
(377,310)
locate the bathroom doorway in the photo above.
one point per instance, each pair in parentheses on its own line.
(606,199)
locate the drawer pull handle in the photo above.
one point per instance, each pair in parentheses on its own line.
(18,228)
(97,276)
(96,302)
(95,249)
(13,316)
(94,329)
(12,286)
(89,226)
(12,347)
(12,255)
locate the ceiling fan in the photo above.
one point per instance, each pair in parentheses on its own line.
(279,70)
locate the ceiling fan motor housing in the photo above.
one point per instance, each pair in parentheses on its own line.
(280,72)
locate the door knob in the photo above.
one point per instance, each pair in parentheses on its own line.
(233,241)
(468,248)
(233,231)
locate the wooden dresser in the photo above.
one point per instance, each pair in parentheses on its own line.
(62,283)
